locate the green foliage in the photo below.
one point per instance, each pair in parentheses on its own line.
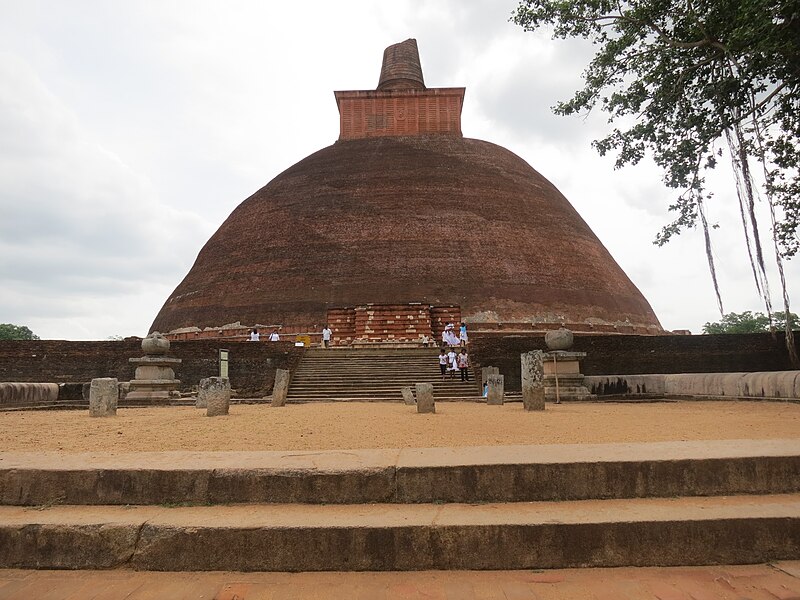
(16,332)
(684,76)
(749,322)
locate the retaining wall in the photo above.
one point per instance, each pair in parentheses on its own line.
(251,366)
(774,385)
(643,354)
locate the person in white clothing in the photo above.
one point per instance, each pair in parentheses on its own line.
(443,362)
(452,360)
(326,336)
(449,337)
(254,335)
(274,337)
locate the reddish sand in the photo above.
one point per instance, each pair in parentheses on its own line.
(327,426)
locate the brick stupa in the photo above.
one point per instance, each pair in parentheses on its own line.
(403,211)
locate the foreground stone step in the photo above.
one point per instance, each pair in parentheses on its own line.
(421,475)
(776,580)
(640,532)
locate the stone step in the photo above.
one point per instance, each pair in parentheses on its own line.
(537,535)
(444,395)
(341,352)
(420,475)
(382,384)
(378,398)
(346,364)
(367,371)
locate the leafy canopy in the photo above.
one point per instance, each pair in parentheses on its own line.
(749,322)
(690,72)
(16,332)
(681,80)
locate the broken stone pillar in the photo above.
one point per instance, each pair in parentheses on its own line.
(485,372)
(425,403)
(103,395)
(533,380)
(217,395)
(496,384)
(206,387)
(408,396)
(202,394)
(281,387)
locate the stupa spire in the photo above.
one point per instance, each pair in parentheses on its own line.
(401,69)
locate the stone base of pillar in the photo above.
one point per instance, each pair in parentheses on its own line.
(566,365)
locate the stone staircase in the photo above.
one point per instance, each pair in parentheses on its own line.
(373,374)
(512,507)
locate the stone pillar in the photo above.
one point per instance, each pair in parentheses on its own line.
(425,403)
(485,372)
(217,394)
(533,380)
(408,396)
(205,387)
(281,387)
(103,394)
(497,386)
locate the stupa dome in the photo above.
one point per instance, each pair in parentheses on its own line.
(402,210)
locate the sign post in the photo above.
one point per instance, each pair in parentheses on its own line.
(223,362)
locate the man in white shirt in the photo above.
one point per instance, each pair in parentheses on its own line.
(326,336)
(274,337)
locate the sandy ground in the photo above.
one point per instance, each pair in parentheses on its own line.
(327,426)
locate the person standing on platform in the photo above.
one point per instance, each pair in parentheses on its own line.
(463,364)
(254,335)
(326,336)
(462,335)
(274,337)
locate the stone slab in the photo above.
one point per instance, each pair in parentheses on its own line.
(641,532)
(532,375)
(424,396)
(496,389)
(280,388)
(408,396)
(103,397)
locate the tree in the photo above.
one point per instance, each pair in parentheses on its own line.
(749,322)
(683,79)
(16,332)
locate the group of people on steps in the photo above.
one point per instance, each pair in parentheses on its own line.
(451,361)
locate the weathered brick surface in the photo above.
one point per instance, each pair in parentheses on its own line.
(251,365)
(401,68)
(408,112)
(436,219)
(634,354)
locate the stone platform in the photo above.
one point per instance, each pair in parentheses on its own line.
(669,503)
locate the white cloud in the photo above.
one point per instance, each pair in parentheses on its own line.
(82,236)
(129,131)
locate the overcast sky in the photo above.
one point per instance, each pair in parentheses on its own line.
(130,130)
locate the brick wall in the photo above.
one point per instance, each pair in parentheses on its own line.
(364,114)
(635,354)
(251,365)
